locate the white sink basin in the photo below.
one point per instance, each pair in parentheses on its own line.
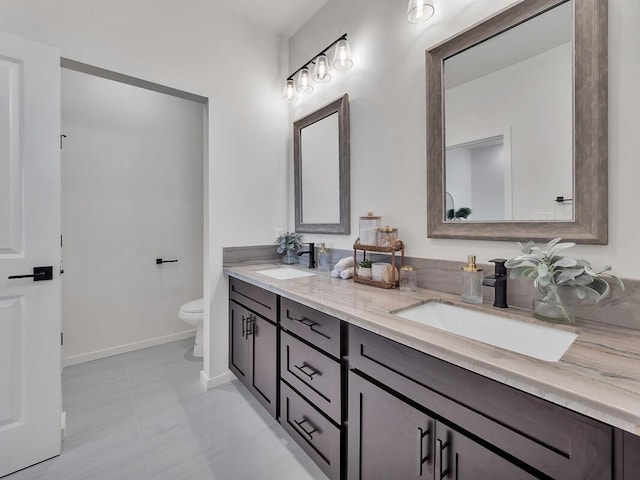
(537,341)
(285,273)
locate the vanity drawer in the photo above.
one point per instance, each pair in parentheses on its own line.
(312,373)
(311,430)
(555,441)
(254,298)
(319,329)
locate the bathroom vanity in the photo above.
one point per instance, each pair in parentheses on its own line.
(369,395)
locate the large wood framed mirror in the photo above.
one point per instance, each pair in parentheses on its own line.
(517,126)
(321,170)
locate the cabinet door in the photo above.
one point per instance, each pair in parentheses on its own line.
(631,456)
(239,342)
(388,438)
(264,359)
(460,458)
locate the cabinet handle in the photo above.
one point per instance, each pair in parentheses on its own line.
(305,366)
(308,433)
(422,434)
(305,321)
(244,322)
(441,448)
(251,330)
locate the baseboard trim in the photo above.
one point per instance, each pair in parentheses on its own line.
(212,382)
(129,347)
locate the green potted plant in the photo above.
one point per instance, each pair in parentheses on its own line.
(364,270)
(560,280)
(290,243)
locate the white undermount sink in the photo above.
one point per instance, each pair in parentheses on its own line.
(285,273)
(537,341)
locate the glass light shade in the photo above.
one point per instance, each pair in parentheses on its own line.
(304,81)
(322,72)
(342,57)
(420,10)
(289,93)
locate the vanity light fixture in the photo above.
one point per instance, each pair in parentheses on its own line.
(342,57)
(420,10)
(322,72)
(322,69)
(304,81)
(289,93)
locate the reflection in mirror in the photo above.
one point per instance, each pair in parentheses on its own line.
(479,175)
(321,170)
(520,84)
(545,100)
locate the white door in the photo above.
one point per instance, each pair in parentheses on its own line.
(30,311)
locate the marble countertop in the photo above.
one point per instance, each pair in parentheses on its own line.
(598,376)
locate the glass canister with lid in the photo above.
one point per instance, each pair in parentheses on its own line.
(369,229)
(408,279)
(387,236)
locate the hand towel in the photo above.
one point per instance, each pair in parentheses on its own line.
(348,273)
(344,263)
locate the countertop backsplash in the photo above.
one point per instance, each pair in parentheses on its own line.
(622,308)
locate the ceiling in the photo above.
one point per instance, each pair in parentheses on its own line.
(284,17)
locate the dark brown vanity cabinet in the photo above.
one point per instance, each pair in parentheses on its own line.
(483,428)
(366,408)
(311,389)
(390,438)
(253,341)
(631,457)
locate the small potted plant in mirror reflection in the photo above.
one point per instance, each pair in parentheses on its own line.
(461,213)
(560,280)
(364,270)
(290,243)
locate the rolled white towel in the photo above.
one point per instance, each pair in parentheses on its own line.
(343,264)
(335,273)
(348,273)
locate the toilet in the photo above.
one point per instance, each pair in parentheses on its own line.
(192,314)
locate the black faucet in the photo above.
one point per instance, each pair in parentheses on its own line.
(312,255)
(499,282)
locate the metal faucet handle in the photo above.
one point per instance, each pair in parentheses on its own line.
(500,269)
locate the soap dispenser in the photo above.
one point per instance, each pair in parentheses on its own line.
(472,282)
(323,259)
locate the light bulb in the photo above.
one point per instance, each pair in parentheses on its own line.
(420,10)
(304,81)
(322,71)
(342,58)
(289,93)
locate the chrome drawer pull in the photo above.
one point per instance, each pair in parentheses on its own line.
(310,432)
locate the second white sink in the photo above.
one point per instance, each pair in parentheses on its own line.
(537,341)
(285,273)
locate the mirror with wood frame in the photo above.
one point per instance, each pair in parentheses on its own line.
(517,125)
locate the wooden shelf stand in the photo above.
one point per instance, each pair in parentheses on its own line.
(398,246)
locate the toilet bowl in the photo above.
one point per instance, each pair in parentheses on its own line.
(192,314)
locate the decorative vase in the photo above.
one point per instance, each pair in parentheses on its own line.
(290,257)
(556,304)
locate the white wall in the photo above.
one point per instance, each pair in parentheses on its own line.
(199,47)
(386,89)
(132,192)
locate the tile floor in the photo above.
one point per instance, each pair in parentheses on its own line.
(145,415)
